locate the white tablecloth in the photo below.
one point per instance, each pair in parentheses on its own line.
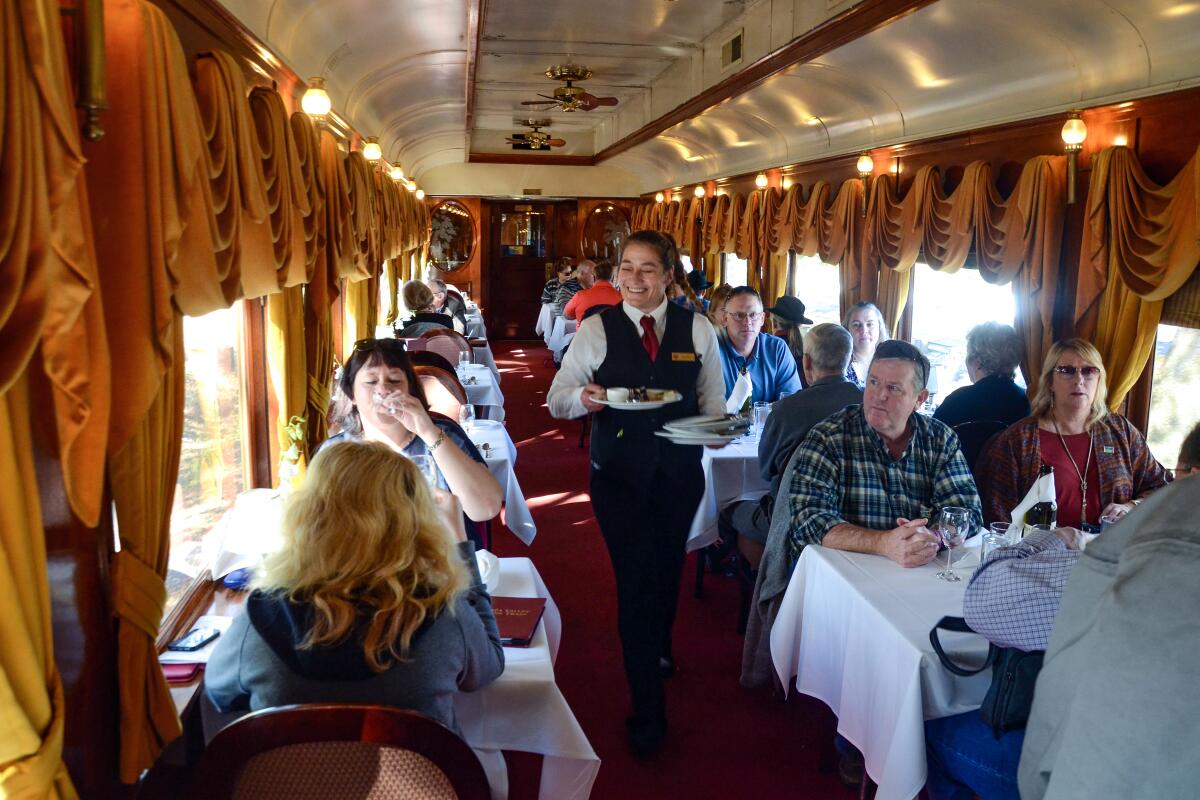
(545,322)
(730,474)
(483,355)
(475,328)
(484,391)
(524,709)
(854,632)
(501,458)
(562,334)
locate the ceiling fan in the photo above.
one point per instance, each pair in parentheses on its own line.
(536,138)
(570,97)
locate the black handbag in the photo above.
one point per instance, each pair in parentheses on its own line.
(1014,673)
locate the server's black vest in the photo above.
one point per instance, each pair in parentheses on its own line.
(624,441)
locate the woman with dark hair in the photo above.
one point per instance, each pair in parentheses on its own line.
(788,316)
(644,489)
(386,405)
(993,355)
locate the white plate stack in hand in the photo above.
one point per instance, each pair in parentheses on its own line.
(704,430)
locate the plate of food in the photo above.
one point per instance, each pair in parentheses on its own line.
(638,399)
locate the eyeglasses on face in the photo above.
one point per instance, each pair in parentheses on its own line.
(742,316)
(1069,371)
(367,345)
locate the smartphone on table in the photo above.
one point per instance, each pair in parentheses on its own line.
(194,639)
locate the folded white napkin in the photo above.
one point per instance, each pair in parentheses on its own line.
(742,389)
(1042,487)
(489,569)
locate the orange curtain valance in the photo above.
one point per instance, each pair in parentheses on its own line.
(1141,243)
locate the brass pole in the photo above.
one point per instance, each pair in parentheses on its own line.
(93,96)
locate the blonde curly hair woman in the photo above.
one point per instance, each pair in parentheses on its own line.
(369,600)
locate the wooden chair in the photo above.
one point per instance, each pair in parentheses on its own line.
(448,344)
(428,358)
(443,392)
(305,752)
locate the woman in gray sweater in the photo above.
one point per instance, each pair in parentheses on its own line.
(370,599)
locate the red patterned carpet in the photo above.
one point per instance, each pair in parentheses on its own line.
(724,741)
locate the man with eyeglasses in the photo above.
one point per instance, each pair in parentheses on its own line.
(870,476)
(765,359)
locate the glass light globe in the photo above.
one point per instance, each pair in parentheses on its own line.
(866,164)
(699,191)
(659,197)
(420,194)
(411,186)
(395,173)
(1074,131)
(371,150)
(316,102)
(761,180)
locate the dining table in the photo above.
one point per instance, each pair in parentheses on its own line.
(561,334)
(483,391)
(853,631)
(545,322)
(482,354)
(731,473)
(475,327)
(500,454)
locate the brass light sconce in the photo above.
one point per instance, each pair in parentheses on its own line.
(865,166)
(1074,132)
(316,102)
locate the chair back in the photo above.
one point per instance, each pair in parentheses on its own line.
(306,752)
(448,344)
(428,358)
(443,392)
(412,344)
(973,437)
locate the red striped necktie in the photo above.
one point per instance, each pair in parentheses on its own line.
(649,338)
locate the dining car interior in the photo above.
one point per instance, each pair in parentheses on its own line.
(630,399)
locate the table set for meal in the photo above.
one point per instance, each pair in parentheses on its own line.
(483,391)
(497,448)
(545,322)
(475,328)
(562,332)
(482,354)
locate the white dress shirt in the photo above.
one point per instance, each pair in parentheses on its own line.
(589,347)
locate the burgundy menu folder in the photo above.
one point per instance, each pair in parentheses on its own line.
(517,618)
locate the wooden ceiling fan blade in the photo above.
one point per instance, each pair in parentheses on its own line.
(593,100)
(556,142)
(539,102)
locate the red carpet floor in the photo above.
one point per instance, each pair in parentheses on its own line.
(724,741)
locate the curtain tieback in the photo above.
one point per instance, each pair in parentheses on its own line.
(318,393)
(37,773)
(139,593)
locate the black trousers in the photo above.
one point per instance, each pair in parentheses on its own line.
(645,528)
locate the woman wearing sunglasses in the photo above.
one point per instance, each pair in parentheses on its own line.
(1102,466)
(382,401)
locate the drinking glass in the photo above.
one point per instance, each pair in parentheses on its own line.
(466,417)
(951,527)
(1003,529)
(464,361)
(761,412)
(428,468)
(992,541)
(384,402)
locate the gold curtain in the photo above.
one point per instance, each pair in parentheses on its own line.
(287,367)
(286,195)
(1141,243)
(392,269)
(365,248)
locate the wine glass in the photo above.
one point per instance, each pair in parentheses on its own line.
(464,361)
(466,417)
(951,527)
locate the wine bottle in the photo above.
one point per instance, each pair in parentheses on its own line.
(1045,511)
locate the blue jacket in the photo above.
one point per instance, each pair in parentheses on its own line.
(771,366)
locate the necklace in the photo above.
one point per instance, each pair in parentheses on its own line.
(1082,475)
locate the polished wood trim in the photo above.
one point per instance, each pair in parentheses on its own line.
(195,601)
(476,12)
(522,158)
(851,24)
(259,416)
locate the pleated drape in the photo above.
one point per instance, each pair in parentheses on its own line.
(1141,243)
(287,366)
(287,197)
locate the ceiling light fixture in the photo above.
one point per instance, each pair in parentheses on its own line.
(659,197)
(411,186)
(1074,132)
(395,173)
(420,194)
(371,150)
(699,191)
(316,102)
(760,180)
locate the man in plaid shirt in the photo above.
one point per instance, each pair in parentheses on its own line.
(869,477)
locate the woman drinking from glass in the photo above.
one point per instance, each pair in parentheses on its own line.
(866,324)
(1102,466)
(386,405)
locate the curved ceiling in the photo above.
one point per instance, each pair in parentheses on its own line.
(399,69)
(949,67)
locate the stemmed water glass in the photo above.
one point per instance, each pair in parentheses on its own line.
(385,403)
(464,361)
(951,527)
(466,417)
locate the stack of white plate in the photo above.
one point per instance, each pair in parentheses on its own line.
(704,430)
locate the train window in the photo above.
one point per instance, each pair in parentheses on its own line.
(736,270)
(945,306)
(213,464)
(819,286)
(1173,408)
(686,261)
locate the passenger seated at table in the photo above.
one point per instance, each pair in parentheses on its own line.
(448,304)
(550,290)
(1188,462)
(386,405)
(993,355)
(787,315)
(681,293)
(869,477)
(597,291)
(765,359)
(825,358)
(868,327)
(698,282)
(374,597)
(419,300)
(572,286)
(1102,466)
(716,307)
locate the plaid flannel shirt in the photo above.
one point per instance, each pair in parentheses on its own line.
(844,473)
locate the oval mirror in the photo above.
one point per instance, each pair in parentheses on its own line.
(452,236)
(604,232)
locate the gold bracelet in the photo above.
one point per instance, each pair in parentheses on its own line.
(436,442)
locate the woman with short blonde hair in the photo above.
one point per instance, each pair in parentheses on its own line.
(366,601)
(1102,466)
(418,299)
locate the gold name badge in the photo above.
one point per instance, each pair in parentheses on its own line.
(683,356)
